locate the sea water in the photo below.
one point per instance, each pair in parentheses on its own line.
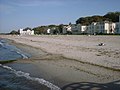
(11,79)
(10,52)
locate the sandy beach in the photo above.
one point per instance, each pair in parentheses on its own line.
(64,60)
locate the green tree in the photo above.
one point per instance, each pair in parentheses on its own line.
(60,27)
(27,28)
(113,16)
(40,30)
(14,32)
(51,26)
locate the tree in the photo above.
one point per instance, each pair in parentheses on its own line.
(40,29)
(111,16)
(51,26)
(60,27)
(14,32)
(70,23)
(89,20)
(27,28)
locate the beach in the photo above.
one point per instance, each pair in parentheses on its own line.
(67,59)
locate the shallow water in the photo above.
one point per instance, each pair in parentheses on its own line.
(11,79)
(10,52)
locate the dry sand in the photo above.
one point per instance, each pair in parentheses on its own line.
(81,48)
(67,59)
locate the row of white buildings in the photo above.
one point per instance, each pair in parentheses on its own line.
(104,27)
(26,32)
(74,29)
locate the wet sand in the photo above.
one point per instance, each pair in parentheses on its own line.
(63,60)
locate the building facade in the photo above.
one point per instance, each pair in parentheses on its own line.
(104,27)
(67,29)
(119,25)
(26,32)
(117,29)
(91,29)
(83,29)
(75,28)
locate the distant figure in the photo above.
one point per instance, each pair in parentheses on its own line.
(101,44)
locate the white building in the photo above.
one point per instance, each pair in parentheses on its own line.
(66,29)
(48,31)
(105,27)
(112,27)
(74,29)
(91,29)
(83,29)
(69,28)
(26,32)
(117,29)
(78,28)
(102,27)
(119,25)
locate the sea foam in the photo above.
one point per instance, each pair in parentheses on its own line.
(27,76)
(1,44)
(23,55)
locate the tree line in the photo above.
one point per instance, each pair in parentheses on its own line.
(110,16)
(43,29)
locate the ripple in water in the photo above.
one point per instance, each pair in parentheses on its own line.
(12,79)
(10,52)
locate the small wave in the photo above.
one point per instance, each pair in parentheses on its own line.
(12,48)
(27,75)
(2,40)
(1,44)
(23,55)
(0,64)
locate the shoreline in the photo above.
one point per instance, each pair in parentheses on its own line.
(36,56)
(24,46)
(60,70)
(104,56)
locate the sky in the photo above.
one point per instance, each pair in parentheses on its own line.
(16,14)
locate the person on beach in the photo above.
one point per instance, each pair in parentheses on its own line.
(101,44)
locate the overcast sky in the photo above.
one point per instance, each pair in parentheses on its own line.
(15,14)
